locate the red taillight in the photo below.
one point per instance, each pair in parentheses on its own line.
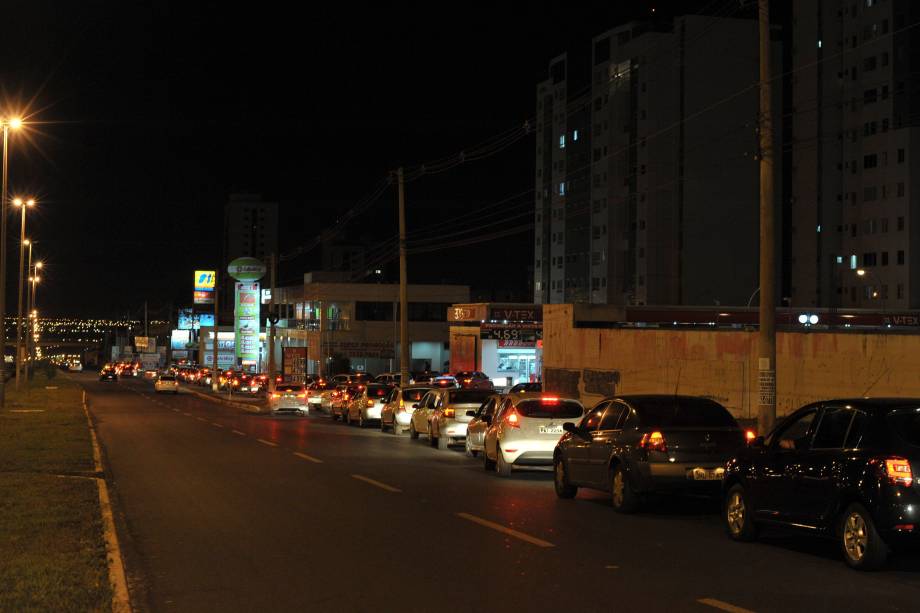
(653,441)
(402,406)
(749,436)
(550,400)
(513,419)
(301,395)
(467,380)
(898,471)
(449,412)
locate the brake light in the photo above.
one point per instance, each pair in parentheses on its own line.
(898,471)
(449,412)
(467,380)
(276,395)
(513,419)
(236,382)
(301,395)
(402,406)
(653,441)
(550,400)
(749,436)
(370,402)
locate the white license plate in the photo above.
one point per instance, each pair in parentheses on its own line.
(707,474)
(551,430)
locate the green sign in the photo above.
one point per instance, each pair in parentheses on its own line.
(246,323)
(246,269)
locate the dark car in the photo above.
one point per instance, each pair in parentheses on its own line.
(473,379)
(632,446)
(108,374)
(840,468)
(522,388)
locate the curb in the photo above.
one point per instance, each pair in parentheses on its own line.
(239,405)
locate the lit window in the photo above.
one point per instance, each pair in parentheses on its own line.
(819,227)
(853,262)
(562,188)
(840,259)
(575,135)
(562,141)
(819,44)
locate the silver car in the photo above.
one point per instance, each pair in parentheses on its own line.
(397,411)
(289,398)
(421,416)
(450,416)
(366,404)
(480,422)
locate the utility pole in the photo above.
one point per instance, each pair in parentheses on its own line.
(4,208)
(215,380)
(146,334)
(22,257)
(766,409)
(273,319)
(403,286)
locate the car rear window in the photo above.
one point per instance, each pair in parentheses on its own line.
(906,423)
(415,394)
(166,378)
(289,388)
(470,396)
(377,391)
(562,409)
(676,412)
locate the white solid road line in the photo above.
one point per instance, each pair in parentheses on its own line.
(308,457)
(187,414)
(216,425)
(382,486)
(238,432)
(177,410)
(264,442)
(201,419)
(510,532)
(723,606)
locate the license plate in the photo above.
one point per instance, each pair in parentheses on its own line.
(550,429)
(707,474)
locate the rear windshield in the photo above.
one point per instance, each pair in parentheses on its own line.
(470,396)
(415,394)
(378,391)
(907,425)
(289,388)
(563,409)
(528,387)
(167,378)
(319,387)
(679,412)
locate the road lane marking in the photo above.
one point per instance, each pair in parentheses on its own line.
(216,425)
(382,486)
(27,410)
(264,442)
(308,457)
(723,606)
(510,532)
(177,410)
(238,432)
(201,419)
(611,567)
(187,414)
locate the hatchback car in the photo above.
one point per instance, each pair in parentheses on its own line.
(526,387)
(473,379)
(839,468)
(450,417)
(166,383)
(366,404)
(445,381)
(108,374)
(397,411)
(480,419)
(289,398)
(315,393)
(525,430)
(633,446)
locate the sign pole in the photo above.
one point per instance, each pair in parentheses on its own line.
(215,380)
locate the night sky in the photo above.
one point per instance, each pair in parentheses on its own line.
(147,115)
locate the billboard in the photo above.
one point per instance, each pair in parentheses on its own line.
(180,339)
(202,297)
(205,280)
(145,344)
(246,323)
(189,320)
(246,269)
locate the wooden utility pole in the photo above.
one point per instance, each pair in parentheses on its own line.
(766,406)
(403,286)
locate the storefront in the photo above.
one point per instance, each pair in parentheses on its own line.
(503,340)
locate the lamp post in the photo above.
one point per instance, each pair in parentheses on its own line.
(23,205)
(28,243)
(876,292)
(7,124)
(32,313)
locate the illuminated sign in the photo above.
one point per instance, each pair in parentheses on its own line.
(204,280)
(246,322)
(202,297)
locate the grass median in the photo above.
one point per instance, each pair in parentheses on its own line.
(52,552)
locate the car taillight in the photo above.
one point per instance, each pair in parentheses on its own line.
(370,402)
(301,395)
(513,419)
(449,412)
(276,395)
(898,471)
(402,405)
(550,400)
(653,441)
(749,436)
(236,382)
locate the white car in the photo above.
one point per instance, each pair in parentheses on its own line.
(166,383)
(75,367)
(397,411)
(317,392)
(479,423)
(365,406)
(289,398)
(449,418)
(525,430)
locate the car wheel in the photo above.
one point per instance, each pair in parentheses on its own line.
(561,481)
(863,548)
(413,434)
(432,439)
(501,467)
(622,495)
(383,425)
(470,452)
(737,514)
(361,422)
(443,442)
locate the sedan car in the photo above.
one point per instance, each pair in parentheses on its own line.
(316,391)
(525,430)
(108,374)
(526,387)
(480,420)
(397,411)
(473,379)
(633,446)
(340,399)
(366,404)
(448,421)
(843,469)
(421,414)
(289,398)
(166,383)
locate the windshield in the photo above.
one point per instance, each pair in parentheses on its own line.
(682,412)
(166,378)
(561,409)
(320,387)
(906,423)
(469,396)
(377,391)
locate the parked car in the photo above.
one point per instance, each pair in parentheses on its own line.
(450,417)
(108,373)
(340,399)
(633,446)
(473,379)
(289,398)
(421,414)
(389,378)
(333,397)
(525,431)
(526,387)
(366,404)
(75,367)
(166,383)
(843,469)
(480,420)
(444,381)
(425,376)
(316,391)
(397,411)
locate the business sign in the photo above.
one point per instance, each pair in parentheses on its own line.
(246,322)
(520,332)
(466,312)
(202,297)
(189,320)
(266,296)
(145,344)
(246,269)
(205,280)
(180,339)
(517,313)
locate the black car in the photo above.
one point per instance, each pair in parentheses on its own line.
(526,387)
(839,468)
(108,374)
(632,446)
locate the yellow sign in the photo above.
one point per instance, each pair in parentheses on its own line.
(204,280)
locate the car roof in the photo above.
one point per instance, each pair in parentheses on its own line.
(417,386)
(881,404)
(518,397)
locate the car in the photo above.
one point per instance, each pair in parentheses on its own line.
(397,411)
(636,446)
(339,400)
(844,469)
(421,414)
(75,367)
(425,376)
(166,383)
(289,398)
(108,373)
(525,430)
(444,381)
(480,420)
(526,387)
(390,378)
(473,379)
(450,417)
(315,392)
(357,377)
(367,403)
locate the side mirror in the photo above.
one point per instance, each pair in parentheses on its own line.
(569,427)
(415,406)
(471,413)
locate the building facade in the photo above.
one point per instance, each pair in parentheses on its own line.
(855,218)
(646,167)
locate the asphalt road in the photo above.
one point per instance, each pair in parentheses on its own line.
(222,510)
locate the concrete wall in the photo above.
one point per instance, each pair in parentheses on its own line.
(722,364)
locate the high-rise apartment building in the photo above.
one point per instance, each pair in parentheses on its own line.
(647,188)
(250,230)
(856,93)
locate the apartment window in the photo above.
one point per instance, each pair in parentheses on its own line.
(884,258)
(869,63)
(870,193)
(869,259)
(901,257)
(562,188)
(595,257)
(884,224)
(901,156)
(900,290)
(562,141)
(885,58)
(900,223)
(870,161)
(884,92)
(595,283)
(853,262)
(575,135)
(900,190)
(870,95)
(853,231)
(885,124)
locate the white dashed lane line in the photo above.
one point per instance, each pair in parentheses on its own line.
(308,457)
(376,483)
(510,532)
(238,432)
(723,606)
(269,443)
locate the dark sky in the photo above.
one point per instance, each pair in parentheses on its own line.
(147,115)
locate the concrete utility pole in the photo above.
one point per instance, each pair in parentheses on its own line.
(273,319)
(766,406)
(403,286)
(22,262)
(146,330)
(4,208)
(215,380)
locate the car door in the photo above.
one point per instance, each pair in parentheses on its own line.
(578,450)
(602,442)
(821,467)
(477,427)
(492,430)
(420,415)
(776,468)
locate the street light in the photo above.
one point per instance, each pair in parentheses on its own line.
(30,299)
(6,124)
(875,292)
(23,205)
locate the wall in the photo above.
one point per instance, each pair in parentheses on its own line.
(722,364)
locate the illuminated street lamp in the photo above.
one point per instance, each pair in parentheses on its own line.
(23,205)
(33,314)
(6,124)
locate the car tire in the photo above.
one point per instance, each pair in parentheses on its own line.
(361,422)
(486,462)
(502,468)
(383,425)
(736,513)
(561,481)
(622,495)
(442,443)
(413,433)
(470,452)
(863,547)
